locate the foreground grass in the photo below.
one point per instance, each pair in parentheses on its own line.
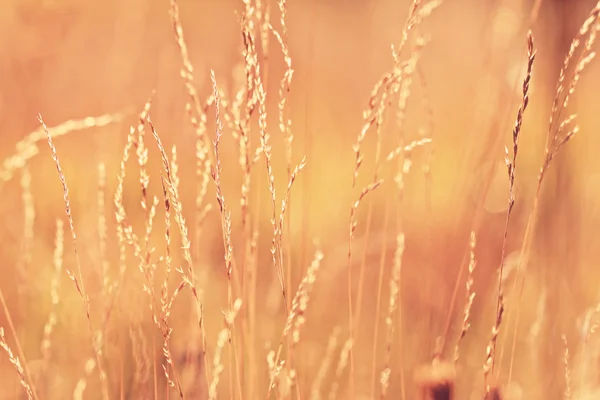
(163,306)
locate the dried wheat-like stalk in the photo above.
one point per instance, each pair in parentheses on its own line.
(167,301)
(139,348)
(252,98)
(14,360)
(388,83)
(589,28)
(78,280)
(102,230)
(286,201)
(54,294)
(382,264)
(352,227)
(81,385)
(403,87)
(341,367)
(223,338)
(295,319)
(263,18)
(142,158)
(126,236)
(190,277)
(216,176)
(417,13)
(225,224)
(285,204)
(187,73)
(27,147)
(332,343)
(559,133)
(511,166)
(28,230)
(243,107)
(407,148)
(285,125)
(394,304)
(470,297)
(428,131)
(567,368)
(266,150)
(197,116)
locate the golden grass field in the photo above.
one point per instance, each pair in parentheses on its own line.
(263,199)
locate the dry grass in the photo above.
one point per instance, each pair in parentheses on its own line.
(198,280)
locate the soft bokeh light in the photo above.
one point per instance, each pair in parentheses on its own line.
(68,60)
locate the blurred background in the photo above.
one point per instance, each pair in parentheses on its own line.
(68,59)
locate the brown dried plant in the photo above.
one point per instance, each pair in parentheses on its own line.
(27,147)
(470,297)
(97,340)
(396,81)
(561,129)
(511,167)
(46,345)
(293,323)
(127,347)
(14,360)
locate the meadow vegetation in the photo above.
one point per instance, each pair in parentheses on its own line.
(238,255)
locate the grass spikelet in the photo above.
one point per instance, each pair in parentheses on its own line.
(470,297)
(225,223)
(81,385)
(216,176)
(54,294)
(187,73)
(295,318)
(394,304)
(285,126)
(265,148)
(28,228)
(14,360)
(405,71)
(139,347)
(388,84)
(78,280)
(588,28)
(556,139)
(223,338)
(124,230)
(102,230)
(408,148)
(511,163)
(352,227)
(340,368)
(27,147)
(332,343)
(286,201)
(197,116)
(167,301)
(190,277)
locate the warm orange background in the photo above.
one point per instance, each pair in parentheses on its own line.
(70,59)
